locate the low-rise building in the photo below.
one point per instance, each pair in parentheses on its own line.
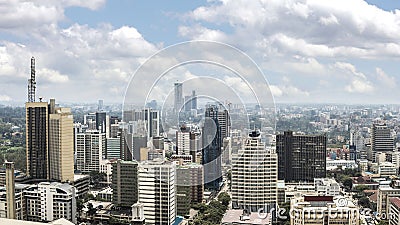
(310,210)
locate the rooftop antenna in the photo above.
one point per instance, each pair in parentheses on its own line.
(32,82)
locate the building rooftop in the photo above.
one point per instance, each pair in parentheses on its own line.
(235,216)
(395,201)
(61,221)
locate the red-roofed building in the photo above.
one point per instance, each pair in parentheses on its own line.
(394,211)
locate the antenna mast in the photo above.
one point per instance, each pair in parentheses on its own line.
(32,82)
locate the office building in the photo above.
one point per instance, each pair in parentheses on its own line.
(381,142)
(125,183)
(224,122)
(394,211)
(385,192)
(190,186)
(254,176)
(36,140)
(188,141)
(49,141)
(178,97)
(310,210)
(157,191)
(61,144)
(91,149)
(101,122)
(113,148)
(46,202)
(194,100)
(20,203)
(212,148)
(301,157)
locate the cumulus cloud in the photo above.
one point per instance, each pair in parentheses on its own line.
(52,76)
(359,82)
(5,98)
(387,80)
(309,28)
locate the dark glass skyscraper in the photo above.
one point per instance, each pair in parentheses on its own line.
(301,157)
(212,143)
(36,140)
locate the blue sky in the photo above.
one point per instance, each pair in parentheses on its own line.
(310,51)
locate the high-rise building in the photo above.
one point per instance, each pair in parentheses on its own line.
(194,100)
(157,191)
(101,122)
(61,143)
(178,101)
(100,105)
(125,183)
(91,149)
(190,181)
(224,123)
(211,151)
(301,157)
(145,122)
(254,176)
(381,141)
(36,140)
(49,141)
(113,148)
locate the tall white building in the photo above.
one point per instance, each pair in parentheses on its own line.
(90,150)
(254,176)
(157,191)
(47,202)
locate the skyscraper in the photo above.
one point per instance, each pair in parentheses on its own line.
(36,140)
(194,100)
(254,176)
(125,183)
(381,141)
(301,157)
(90,150)
(178,101)
(157,191)
(61,143)
(211,152)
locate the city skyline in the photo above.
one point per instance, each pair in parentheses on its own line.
(310,52)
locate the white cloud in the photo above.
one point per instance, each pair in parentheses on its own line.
(359,86)
(18,16)
(349,68)
(201,33)
(276,91)
(309,28)
(359,82)
(52,76)
(5,98)
(386,80)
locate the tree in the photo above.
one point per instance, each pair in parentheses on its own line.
(348,183)
(91,209)
(361,188)
(224,198)
(364,202)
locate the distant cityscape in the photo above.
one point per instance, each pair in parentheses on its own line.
(194,164)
